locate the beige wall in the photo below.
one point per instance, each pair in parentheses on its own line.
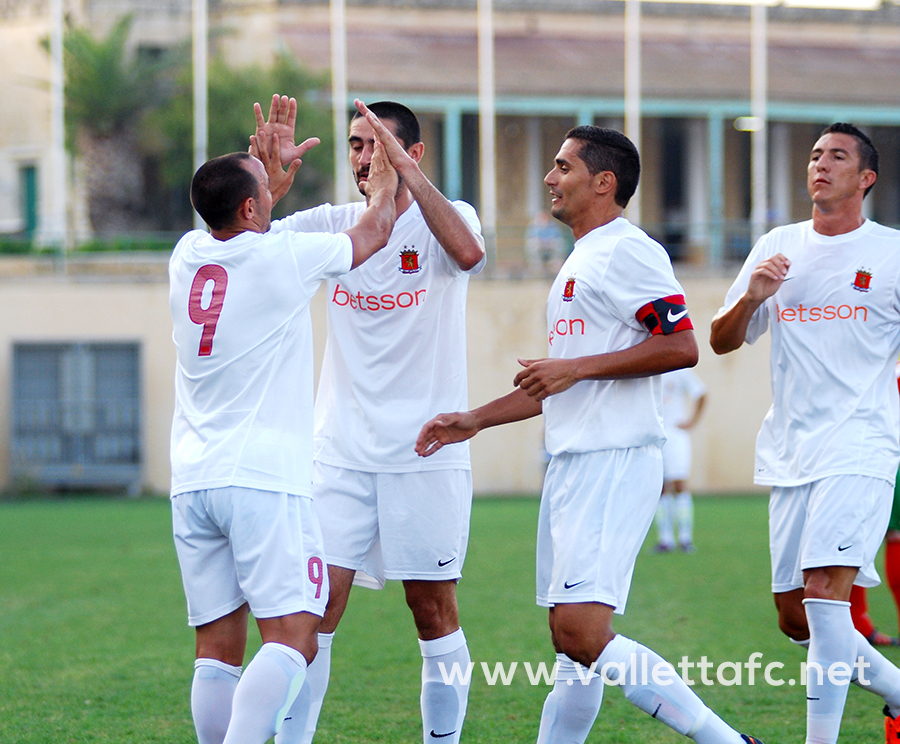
(129,302)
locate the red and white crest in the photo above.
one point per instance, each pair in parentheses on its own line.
(569,291)
(409,261)
(861,283)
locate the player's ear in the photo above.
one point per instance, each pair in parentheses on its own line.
(866,178)
(604,182)
(247,209)
(417,151)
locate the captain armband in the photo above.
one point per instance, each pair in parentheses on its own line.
(666,315)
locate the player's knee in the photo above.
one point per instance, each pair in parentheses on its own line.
(433,618)
(579,645)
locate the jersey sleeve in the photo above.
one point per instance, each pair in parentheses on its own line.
(759,323)
(642,290)
(321,256)
(317,219)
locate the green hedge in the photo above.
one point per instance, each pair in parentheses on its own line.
(20,246)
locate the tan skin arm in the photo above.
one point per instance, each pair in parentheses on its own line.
(449,428)
(657,354)
(544,377)
(729,327)
(454,234)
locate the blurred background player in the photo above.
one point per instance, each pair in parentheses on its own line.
(395,356)
(616,320)
(244,525)
(827,289)
(684,396)
(545,245)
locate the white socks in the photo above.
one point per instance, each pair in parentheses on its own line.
(632,666)
(882,677)
(211,695)
(572,705)
(308,704)
(665,533)
(832,642)
(265,693)
(444,704)
(684,511)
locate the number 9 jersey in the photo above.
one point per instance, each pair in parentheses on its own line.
(244,372)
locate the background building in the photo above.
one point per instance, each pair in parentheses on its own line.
(79,329)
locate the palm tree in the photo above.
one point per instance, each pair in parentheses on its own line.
(107,93)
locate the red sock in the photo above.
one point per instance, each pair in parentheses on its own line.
(892,569)
(859,611)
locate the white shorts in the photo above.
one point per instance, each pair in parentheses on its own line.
(596,509)
(395,526)
(836,521)
(238,545)
(677,455)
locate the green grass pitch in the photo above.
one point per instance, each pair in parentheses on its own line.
(94,646)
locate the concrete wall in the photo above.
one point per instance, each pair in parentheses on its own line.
(127,300)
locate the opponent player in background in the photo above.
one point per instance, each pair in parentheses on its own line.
(829,291)
(245,529)
(684,396)
(395,356)
(616,320)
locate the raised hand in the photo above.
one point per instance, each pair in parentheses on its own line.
(766,278)
(382,176)
(398,156)
(279,180)
(282,121)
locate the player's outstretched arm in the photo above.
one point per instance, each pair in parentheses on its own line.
(283,121)
(373,230)
(660,353)
(449,428)
(454,234)
(729,327)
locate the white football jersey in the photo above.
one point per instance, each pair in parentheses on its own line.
(835,325)
(396,350)
(614,273)
(244,374)
(681,389)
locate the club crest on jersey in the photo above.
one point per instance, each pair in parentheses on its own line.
(861,283)
(409,261)
(569,292)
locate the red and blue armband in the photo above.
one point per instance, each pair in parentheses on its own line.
(666,315)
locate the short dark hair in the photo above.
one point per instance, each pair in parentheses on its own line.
(220,186)
(868,155)
(609,150)
(405,121)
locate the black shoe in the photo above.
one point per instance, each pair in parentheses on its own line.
(751,739)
